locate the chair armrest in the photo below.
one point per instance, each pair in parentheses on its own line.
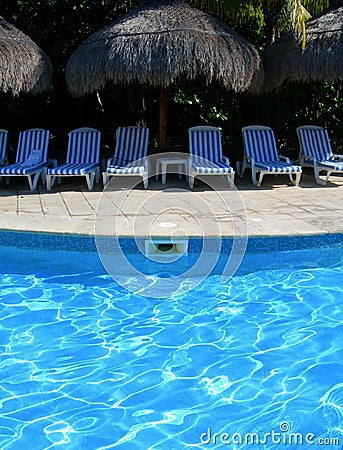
(311,158)
(226,160)
(337,157)
(109,162)
(285,158)
(190,166)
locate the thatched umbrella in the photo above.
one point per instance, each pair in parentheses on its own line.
(320,60)
(158,45)
(24,67)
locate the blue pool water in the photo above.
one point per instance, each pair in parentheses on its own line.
(252,363)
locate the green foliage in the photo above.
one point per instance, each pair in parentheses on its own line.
(59,26)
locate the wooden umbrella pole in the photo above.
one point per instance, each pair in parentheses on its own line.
(162,135)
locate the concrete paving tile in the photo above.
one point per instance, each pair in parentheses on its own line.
(273,209)
(92,198)
(8,206)
(30,204)
(77,204)
(54,205)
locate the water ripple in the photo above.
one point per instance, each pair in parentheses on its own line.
(84,364)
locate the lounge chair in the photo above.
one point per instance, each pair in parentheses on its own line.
(83,158)
(316,152)
(206,157)
(31,158)
(261,155)
(130,154)
(3,147)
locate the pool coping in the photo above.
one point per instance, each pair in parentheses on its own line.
(275,209)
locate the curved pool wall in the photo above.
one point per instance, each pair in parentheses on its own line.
(73,242)
(260,252)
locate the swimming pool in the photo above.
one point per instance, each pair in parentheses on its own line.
(255,362)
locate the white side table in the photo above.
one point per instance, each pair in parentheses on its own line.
(162,165)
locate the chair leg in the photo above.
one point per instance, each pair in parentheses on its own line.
(145,181)
(190,180)
(44,173)
(90,180)
(48,182)
(164,172)
(29,179)
(295,181)
(104,179)
(260,178)
(33,182)
(157,169)
(318,179)
(239,168)
(97,175)
(35,179)
(328,173)
(231,179)
(254,178)
(244,166)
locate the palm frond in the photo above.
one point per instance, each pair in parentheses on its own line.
(300,15)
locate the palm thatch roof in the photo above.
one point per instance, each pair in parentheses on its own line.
(321,60)
(161,43)
(24,67)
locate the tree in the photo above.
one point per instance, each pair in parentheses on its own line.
(59,26)
(273,15)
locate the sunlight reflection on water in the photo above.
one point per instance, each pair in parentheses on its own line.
(86,364)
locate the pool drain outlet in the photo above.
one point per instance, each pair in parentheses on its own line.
(166,248)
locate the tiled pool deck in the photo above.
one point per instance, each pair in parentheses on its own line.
(275,209)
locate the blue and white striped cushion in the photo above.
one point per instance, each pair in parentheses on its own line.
(83,147)
(34,139)
(218,168)
(131,144)
(18,169)
(278,167)
(336,166)
(72,169)
(132,170)
(315,143)
(260,145)
(207,144)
